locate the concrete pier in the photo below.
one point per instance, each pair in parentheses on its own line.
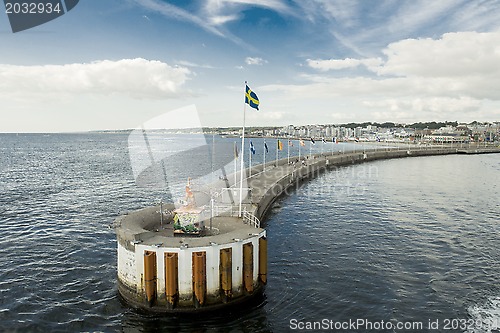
(278,177)
(161,271)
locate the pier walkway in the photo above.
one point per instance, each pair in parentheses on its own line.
(268,182)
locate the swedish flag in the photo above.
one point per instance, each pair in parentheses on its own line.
(251,98)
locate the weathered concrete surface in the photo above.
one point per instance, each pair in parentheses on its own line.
(267,185)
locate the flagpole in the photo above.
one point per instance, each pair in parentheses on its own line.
(235,162)
(310,148)
(277,146)
(288,152)
(264,166)
(250,161)
(242,153)
(213,153)
(300,144)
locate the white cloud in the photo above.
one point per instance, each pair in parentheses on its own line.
(193,64)
(453,55)
(434,105)
(455,65)
(222,19)
(137,78)
(215,7)
(455,76)
(335,64)
(255,61)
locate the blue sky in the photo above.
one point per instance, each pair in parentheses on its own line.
(116,64)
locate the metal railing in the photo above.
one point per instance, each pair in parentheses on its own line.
(251,219)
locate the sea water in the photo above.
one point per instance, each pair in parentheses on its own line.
(396,242)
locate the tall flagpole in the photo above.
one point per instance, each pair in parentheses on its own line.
(310,149)
(250,162)
(288,151)
(213,153)
(235,162)
(242,152)
(299,148)
(277,147)
(264,166)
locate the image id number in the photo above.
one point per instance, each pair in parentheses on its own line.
(32,8)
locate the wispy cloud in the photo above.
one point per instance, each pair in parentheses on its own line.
(169,10)
(476,16)
(255,61)
(214,15)
(216,20)
(335,64)
(340,13)
(363,28)
(417,15)
(215,7)
(186,63)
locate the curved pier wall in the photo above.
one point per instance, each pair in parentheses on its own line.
(320,163)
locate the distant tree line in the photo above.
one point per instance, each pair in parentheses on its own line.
(419,125)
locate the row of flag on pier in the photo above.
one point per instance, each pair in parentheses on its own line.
(252,100)
(279,145)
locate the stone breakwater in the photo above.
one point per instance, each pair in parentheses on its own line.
(162,271)
(280,178)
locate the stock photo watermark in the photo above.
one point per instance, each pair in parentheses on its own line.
(363,325)
(27,14)
(192,166)
(163,160)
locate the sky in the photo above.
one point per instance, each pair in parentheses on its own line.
(117,64)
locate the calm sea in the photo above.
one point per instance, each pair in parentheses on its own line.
(394,242)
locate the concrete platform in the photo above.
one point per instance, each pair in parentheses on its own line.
(227,263)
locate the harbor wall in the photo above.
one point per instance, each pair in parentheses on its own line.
(319,163)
